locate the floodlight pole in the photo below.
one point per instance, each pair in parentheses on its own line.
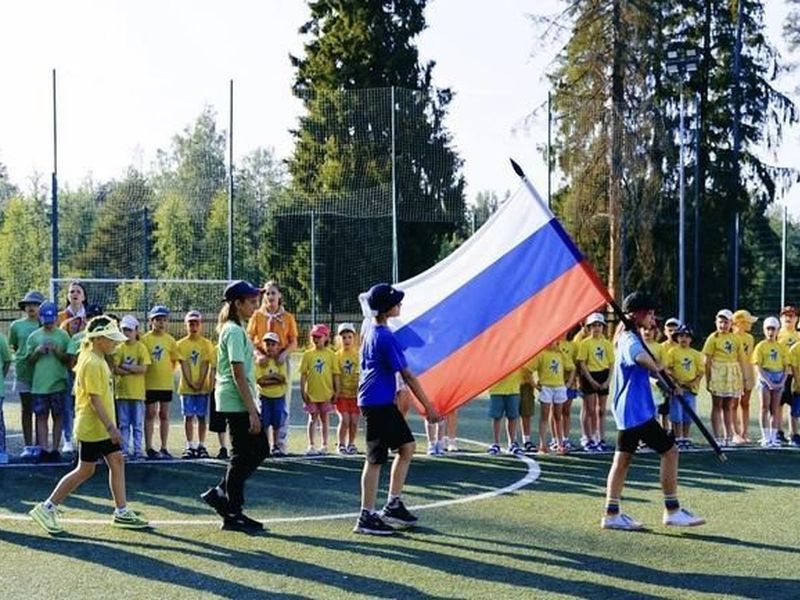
(395,251)
(313,268)
(682,218)
(54,195)
(784,232)
(230,183)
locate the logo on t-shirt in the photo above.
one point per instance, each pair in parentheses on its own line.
(158,352)
(319,365)
(728,347)
(773,355)
(128,361)
(347,367)
(687,364)
(599,353)
(554,366)
(194,357)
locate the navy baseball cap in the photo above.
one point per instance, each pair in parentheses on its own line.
(241,289)
(32,297)
(383,297)
(159,310)
(94,310)
(48,312)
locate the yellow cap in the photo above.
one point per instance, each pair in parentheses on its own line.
(743,315)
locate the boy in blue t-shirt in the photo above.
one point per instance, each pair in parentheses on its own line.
(634,410)
(381,358)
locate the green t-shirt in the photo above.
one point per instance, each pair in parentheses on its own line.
(234,346)
(17,339)
(5,359)
(49,373)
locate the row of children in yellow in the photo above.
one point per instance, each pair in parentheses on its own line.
(731,363)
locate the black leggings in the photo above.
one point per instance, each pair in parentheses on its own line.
(248,451)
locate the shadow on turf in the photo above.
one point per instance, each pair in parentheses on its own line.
(722,585)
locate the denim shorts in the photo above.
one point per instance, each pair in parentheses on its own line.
(677,414)
(44,404)
(273,412)
(504,404)
(194,405)
(774,377)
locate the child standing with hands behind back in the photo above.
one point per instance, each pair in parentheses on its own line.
(271,377)
(319,384)
(772,364)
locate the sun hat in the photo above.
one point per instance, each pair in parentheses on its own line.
(108,330)
(743,315)
(32,297)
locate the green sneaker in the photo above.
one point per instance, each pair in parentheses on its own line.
(129,520)
(46,519)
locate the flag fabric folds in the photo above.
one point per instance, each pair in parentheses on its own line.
(494,303)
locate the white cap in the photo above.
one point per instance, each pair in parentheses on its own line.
(725,314)
(129,322)
(272,337)
(595,318)
(672,321)
(343,327)
(771,322)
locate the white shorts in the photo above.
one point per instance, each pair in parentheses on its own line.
(553,395)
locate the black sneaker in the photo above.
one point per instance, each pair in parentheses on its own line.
(189,454)
(372,524)
(241,522)
(398,515)
(223,453)
(202,452)
(530,447)
(165,455)
(217,501)
(782,437)
(153,454)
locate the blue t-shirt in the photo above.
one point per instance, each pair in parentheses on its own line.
(381,358)
(631,396)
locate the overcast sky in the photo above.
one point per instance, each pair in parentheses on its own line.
(132,74)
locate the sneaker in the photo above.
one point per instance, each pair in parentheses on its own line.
(543,449)
(529,447)
(28,453)
(682,518)
(515,449)
(351,449)
(223,454)
(311,451)
(202,452)
(165,455)
(775,443)
(153,454)
(553,445)
(431,449)
(796,440)
(322,450)
(398,515)
(782,437)
(128,519)
(341,449)
(46,519)
(568,445)
(765,443)
(439,448)
(602,446)
(137,457)
(452,446)
(494,449)
(3,458)
(620,521)
(67,448)
(189,454)
(372,524)
(588,445)
(562,449)
(276,452)
(54,456)
(217,501)
(241,522)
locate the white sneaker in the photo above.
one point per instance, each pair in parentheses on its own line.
(311,451)
(67,448)
(323,450)
(620,521)
(682,518)
(439,449)
(431,449)
(28,452)
(452,446)
(765,443)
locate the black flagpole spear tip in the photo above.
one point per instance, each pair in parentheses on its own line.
(517,169)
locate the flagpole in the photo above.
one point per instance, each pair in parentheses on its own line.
(662,376)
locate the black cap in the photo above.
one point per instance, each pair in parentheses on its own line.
(637,301)
(241,289)
(383,297)
(682,330)
(93,310)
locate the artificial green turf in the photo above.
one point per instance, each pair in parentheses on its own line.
(540,542)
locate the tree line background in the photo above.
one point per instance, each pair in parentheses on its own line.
(614,158)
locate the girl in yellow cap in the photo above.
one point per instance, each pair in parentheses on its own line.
(741,325)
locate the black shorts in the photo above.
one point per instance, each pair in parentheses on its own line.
(93,451)
(786,396)
(153,396)
(598,376)
(216,420)
(386,428)
(649,432)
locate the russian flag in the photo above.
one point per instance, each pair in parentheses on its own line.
(494,303)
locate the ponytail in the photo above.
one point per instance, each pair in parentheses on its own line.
(227,313)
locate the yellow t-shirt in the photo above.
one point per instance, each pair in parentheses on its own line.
(788,337)
(130,387)
(510,384)
(195,353)
(685,364)
(723,347)
(93,378)
(272,367)
(164,354)
(349,369)
(794,362)
(659,351)
(668,345)
(771,356)
(597,353)
(747,341)
(551,366)
(212,366)
(319,367)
